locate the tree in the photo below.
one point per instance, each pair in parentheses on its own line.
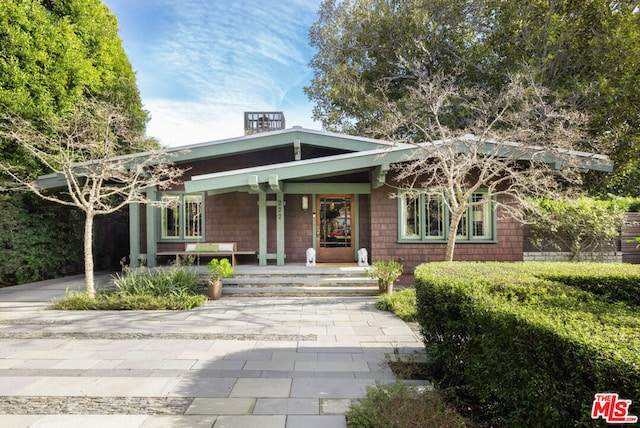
(55,53)
(578,225)
(584,52)
(511,146)
(85,151)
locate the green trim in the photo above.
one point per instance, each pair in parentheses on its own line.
(134,234)
(182,219)
(262,229)
(327,188)
(423,239)
(152,227)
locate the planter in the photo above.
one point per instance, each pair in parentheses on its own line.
(214,289)
(385,287)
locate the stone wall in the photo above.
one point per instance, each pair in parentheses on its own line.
(561,256)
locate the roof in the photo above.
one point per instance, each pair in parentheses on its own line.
(360,153)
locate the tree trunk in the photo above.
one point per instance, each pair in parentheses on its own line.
(451,239)
(88,255)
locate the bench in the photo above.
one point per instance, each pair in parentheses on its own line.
(209,249)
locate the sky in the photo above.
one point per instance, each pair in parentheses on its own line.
(200,64)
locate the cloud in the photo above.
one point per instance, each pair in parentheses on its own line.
(201,63)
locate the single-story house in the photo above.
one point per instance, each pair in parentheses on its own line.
(277,194)
(274,195)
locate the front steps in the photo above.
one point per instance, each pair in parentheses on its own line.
(299,281)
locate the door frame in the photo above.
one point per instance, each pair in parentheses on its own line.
(338,254)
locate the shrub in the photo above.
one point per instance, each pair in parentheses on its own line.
(121,301)
(577,226)
(159,282)
(402,303)
(396,406)
(527,348)
(31,228)
(171,289)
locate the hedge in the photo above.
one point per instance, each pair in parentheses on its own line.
(528,349)
(614,282)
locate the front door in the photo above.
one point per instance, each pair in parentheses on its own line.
(334,224)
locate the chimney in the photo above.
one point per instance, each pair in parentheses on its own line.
(262,121)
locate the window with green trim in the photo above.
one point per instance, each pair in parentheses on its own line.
(181,216)
(424,217)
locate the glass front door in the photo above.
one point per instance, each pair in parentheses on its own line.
(334,222)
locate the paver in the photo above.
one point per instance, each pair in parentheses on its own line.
(237,362)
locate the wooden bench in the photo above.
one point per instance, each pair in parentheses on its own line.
(209,249)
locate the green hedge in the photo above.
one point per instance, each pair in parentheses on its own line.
(613,281)
(39,239)
(525,347)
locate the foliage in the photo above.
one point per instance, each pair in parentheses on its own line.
(402,303)
(173,289)
(577,225)
(396,406)
(158,282)
(31,229)
(584,52)
(386,272)
(105,301)
(525,347)
(53,54)
(613,283)
(220,268)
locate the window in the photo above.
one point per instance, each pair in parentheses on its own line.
(181,217)
(424,217)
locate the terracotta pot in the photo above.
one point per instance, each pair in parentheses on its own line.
(385,287)
(214,289)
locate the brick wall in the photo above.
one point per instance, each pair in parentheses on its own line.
(385,245)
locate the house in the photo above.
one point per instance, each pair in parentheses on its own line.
(276,194)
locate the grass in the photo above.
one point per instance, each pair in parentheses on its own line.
(169,289)
(397,406)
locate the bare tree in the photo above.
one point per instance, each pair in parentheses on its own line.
(84,154)
(513,145)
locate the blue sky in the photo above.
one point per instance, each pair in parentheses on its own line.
(200,64)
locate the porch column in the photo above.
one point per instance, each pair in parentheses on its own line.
(262,228)
(152,230)
(134,234)
(280,228)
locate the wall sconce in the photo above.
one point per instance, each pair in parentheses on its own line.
(305,202)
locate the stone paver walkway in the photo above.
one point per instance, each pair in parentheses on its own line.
(237,362)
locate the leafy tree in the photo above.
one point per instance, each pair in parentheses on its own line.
(85,152)
(578,225)
(585,52)
(52,55)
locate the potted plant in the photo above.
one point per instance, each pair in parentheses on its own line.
(219,268)
(386,273)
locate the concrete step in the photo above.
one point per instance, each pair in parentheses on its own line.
(299,280)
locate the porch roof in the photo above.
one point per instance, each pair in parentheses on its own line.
(379,159)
